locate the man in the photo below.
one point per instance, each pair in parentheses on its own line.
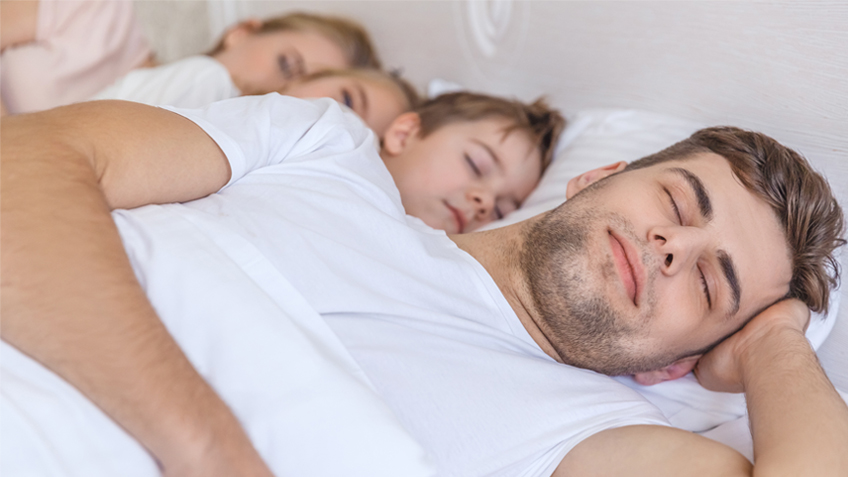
(640,274)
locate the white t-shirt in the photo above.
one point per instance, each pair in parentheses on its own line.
(424,320)
(192,82)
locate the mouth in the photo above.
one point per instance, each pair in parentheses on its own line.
(458,218)
(628,265)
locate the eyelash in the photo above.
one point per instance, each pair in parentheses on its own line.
(674,206)
(348,99)
(706,288)
(473,166)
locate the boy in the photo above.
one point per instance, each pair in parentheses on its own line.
(462,160)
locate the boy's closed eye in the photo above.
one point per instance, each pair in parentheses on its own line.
(473,165)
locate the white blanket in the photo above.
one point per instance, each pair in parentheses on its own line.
(307,406)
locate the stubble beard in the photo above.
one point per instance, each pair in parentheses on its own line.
(575,315)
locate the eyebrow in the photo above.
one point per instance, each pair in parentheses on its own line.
(491,153)
(729,271)
(704,203)
(705,207)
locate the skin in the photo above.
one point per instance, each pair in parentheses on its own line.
(260,63)
(377,102)
(654,257)
(63,170)
(464,174)
(18,24)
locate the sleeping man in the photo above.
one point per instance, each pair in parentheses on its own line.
(491,348)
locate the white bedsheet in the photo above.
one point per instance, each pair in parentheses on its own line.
(314,413)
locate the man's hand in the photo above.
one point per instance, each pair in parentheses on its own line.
(798,420)
(722,369)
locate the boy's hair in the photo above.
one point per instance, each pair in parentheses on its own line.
(347,34)
(409,93)
(541,122)
(801,198)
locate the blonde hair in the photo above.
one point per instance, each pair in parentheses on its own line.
(348,35)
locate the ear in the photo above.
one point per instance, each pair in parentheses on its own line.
(586,179)
(402,129)
(242,30)
(675,370)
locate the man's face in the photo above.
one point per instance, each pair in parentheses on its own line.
(464,174)
(653,265)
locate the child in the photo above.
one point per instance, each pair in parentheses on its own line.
(462,160)
(254,57)
(82,47)
(376,96)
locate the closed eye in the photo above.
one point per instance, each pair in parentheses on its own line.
(473,166)
(347,98)
(706,288)
(285,66)
(498,214)
(674,206)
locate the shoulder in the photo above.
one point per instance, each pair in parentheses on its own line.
(646,450)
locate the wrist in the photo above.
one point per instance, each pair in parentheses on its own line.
(775,347)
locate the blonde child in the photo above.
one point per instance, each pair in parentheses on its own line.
(376,96)
(61,52)
(253,57)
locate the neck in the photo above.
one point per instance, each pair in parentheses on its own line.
(499,252)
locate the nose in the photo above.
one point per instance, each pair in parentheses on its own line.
(482,203)
(678,247)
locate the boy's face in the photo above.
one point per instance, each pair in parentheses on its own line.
(464,174)
(260,63)
(377,102)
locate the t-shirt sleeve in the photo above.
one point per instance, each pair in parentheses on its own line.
(192,82)
(261,131)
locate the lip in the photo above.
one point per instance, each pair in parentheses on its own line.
(628,265)
(458,218)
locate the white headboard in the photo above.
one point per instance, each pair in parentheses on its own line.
(776,67)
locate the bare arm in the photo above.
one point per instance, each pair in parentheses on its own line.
(70,297)
(799,421)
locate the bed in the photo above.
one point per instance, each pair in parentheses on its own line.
(632,77)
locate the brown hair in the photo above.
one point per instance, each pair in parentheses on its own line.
(541,122)
(348,35)
(409,93)
(800,197)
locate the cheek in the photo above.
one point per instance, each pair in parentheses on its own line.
(676,314)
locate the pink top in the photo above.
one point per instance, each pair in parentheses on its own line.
(80,48)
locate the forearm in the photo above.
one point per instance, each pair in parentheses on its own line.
(799,422)
(72,302)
